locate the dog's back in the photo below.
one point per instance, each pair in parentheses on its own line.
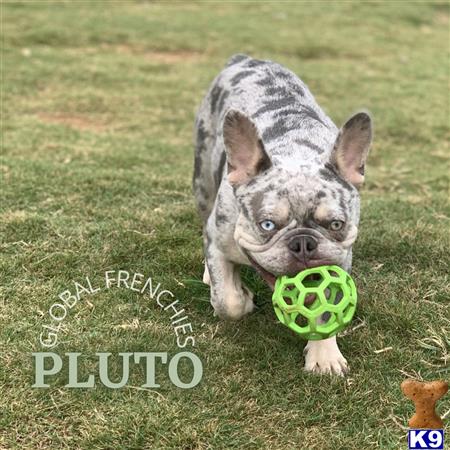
(289,121)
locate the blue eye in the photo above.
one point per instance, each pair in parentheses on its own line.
(267,225)
(336,225)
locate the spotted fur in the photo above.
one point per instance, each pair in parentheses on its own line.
(304,186)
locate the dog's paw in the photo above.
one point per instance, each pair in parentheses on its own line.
(324,357)
(235,306)
(249,306)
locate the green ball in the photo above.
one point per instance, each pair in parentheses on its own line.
(327,292)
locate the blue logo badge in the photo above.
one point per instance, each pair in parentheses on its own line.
(426,439)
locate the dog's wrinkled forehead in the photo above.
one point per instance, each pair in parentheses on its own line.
(282,195)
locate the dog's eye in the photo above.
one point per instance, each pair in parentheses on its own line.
(336,225)
(267,225)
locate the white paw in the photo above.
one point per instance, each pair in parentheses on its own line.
(249,306)
(235,305)
(206,277)
(238,307)
(324,357)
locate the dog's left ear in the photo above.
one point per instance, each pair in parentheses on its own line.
(352,147)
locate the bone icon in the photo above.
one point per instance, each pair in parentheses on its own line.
(425,396)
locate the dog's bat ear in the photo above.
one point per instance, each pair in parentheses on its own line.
(245,151)
(352,147)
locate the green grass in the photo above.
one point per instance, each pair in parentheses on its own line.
(98,106)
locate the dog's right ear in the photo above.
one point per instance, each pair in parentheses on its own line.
(245,151)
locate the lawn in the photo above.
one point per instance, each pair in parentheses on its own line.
(98,103)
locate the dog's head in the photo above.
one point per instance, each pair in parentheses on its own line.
(291,219)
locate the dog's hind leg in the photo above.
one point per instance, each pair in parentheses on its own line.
(206,277)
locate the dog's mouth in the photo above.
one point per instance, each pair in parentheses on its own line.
(271,278)
(267,276)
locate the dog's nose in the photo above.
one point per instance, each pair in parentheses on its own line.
(302,245)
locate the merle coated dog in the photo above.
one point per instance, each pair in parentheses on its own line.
(276,185)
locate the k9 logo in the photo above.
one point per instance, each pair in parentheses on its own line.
(426,439)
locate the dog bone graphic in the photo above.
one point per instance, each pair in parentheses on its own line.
(425,395)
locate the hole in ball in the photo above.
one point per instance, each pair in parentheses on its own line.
(301,321)
(338,298)
(288,300)
(312,280)
(310,299)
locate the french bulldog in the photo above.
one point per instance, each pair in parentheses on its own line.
(276,186)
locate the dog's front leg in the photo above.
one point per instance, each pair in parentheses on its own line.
(325,357)
(229,297)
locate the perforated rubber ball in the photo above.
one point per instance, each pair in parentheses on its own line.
(317,303)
